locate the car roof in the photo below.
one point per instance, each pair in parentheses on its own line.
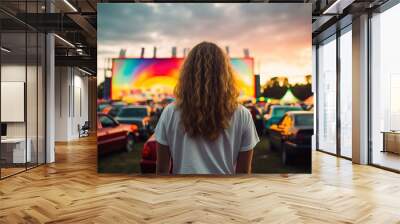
(300,112)
(136,106)
(118,103)
(284,106)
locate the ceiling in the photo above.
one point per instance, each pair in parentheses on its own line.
(75,21)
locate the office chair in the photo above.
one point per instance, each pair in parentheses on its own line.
(84,130)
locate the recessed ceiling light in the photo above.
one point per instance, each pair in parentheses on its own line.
(5,50)
(84,71)
(337,7)
(70,5)
(64,40)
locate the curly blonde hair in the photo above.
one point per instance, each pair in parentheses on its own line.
(206,93)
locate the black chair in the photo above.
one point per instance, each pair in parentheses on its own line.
(84,130)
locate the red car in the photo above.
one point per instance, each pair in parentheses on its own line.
(113,137)
(149,156)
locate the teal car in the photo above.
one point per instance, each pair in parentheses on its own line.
(276,114)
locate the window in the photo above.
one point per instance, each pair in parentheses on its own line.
(327,95)
(346,92)
(385,89)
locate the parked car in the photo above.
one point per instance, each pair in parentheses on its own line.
(138,115)
(149,156)
(115,108)
(148,162)
(276,113)
(102,106)
(113,137)
(104,109)
(292,135)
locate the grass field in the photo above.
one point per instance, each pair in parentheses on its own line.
(123,162)
(264,161)
(267,161)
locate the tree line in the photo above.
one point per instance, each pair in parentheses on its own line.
(276,88)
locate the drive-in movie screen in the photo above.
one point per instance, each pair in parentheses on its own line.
(159,76)
(213,88)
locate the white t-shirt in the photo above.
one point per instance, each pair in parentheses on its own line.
(200,156)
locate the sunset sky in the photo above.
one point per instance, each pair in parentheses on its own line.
(277,35)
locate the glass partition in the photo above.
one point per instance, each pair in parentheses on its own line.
(22,67)
(327,95)
(14,153)
(346,92)
(385,89)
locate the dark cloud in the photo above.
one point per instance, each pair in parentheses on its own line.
(136,22)
(274,33)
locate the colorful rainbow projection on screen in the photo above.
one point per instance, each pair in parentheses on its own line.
(158,76)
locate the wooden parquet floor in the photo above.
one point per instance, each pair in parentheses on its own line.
(71,191)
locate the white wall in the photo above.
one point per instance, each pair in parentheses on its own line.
(12,73)
(61,103)
(80,111)
(71,102)
(16,73)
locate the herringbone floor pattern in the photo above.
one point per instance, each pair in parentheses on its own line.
(71,191)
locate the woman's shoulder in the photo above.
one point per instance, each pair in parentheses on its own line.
(242,112)
(169,109)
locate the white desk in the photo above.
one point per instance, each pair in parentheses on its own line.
(17,145)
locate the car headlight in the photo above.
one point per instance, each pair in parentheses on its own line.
(134,128)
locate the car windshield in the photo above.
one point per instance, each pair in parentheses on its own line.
(118,106)
(114,111)
(101,107)
(280,111)
(304,120)
(133,112)
(106,121)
